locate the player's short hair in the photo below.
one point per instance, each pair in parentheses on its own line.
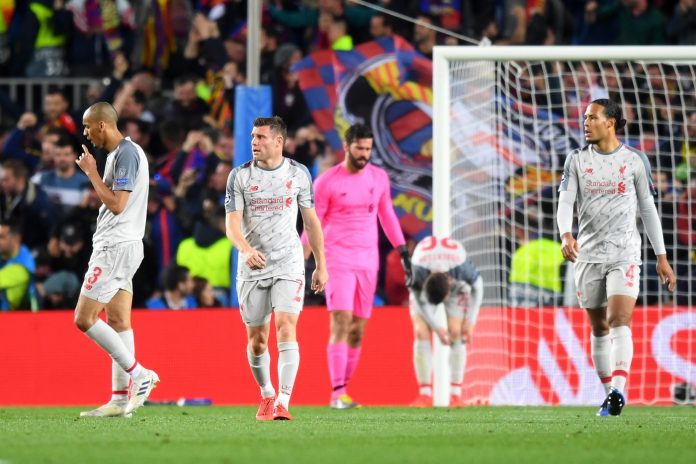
(174,275)
(612,110)
(276,124)
(103,112)
(436,287)
(356,132)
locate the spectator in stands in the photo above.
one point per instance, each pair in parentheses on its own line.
(140,132)
(536,270)
(26,203)
(130,103)
(205,48)
(686,147)
(187,107)
(35,153)
(65,185)
(60,291)
(666,199)
(424,37)
(17,268)
(681,29)
(381,26)
(69,249)
(165,230)
(357,17)
(511,21)
(178,288)
(337,34)
(269,46)
(102,28)
(288,101)
(208,253)
(40,48)
(305,146)
(204,294)
(638,22)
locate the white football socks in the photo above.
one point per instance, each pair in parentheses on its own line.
(423,364)
(288,364)
(621,355)
(457,362)
(109,341)
(119,377)
(261,369)
(600,350)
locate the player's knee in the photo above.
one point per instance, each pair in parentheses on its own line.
(355,337)
(618,320)
(258,346)
(83,322)
(421,334)
(118,323)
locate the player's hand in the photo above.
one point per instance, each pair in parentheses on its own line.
(406,264)
(443,335)
(664,270)
(86,161)
(255,260)
(319,279)
(570,247)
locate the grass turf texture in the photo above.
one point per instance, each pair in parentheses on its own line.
(320,435)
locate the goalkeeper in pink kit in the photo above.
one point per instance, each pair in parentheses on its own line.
(350,198)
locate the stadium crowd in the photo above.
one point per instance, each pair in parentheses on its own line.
(170,68)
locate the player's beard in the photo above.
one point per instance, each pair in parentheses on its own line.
(356,162)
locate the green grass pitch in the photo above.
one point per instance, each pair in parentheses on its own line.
(558,435)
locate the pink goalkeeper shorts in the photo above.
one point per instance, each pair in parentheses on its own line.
(349,290)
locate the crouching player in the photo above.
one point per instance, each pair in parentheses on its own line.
(441,274)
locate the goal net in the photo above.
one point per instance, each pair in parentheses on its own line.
(504,120)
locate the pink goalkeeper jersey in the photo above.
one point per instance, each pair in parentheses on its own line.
(348,206)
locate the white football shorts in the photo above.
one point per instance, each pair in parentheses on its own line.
(259,298)
(112,269)
(596,282)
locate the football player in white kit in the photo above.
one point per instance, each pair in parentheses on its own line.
(441,274)
(262,200)
(610,182)
(117,253)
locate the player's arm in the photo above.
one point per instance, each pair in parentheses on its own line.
(321,207)
(114,200)
(392,227)
(466,272)
(566,200)
(234,209)
(252,257)
(652,224)
(315,237)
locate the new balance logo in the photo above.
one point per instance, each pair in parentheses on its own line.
(254,188)
(588,170)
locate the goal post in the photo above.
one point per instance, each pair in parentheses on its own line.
(504,118)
